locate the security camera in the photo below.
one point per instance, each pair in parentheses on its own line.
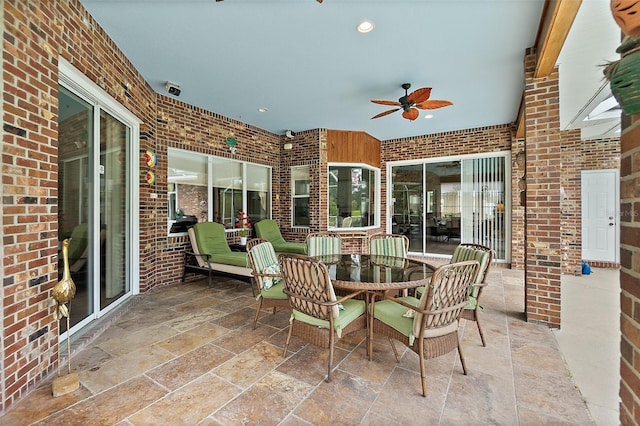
(290,134)
(172,88)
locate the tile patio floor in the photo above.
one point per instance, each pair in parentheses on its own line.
(187,355)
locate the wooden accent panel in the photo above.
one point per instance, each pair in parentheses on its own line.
(352,147)
(556,23)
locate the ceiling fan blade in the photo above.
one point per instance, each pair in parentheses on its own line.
(387,112)
(433,104)
(411,114)
(392,103)
(419,95)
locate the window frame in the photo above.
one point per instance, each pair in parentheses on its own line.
(209,158)
(373,207)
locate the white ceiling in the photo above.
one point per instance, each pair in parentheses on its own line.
(306,63)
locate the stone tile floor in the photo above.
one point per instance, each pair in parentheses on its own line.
(187,355)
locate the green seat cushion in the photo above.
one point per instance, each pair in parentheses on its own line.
(352,310)
(393,314)
(290,247)
(235,258)
(275,292)
(270,231)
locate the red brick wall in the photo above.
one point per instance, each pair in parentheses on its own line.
(542,214)
(35,35)
(183,126)
(630,274)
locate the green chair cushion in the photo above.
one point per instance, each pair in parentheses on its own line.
(275,292)
(78,243)
(388,247)
(323,245)
(211,238)
(462,253)
(352,309)
(393,314)
(235,258)
(473,303)
(270,231)
(290,247)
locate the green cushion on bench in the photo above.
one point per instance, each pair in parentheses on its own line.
(235,258)
(270,231)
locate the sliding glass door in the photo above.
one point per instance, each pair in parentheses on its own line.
(438,204)
(95,200)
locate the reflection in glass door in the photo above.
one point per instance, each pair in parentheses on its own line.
(75,142)
(94,205)
(439,204)
(114,189)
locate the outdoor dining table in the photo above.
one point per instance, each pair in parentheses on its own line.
(375,272)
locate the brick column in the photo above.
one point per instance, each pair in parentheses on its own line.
(630,273)
(542,210)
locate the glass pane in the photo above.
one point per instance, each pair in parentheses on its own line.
(258,192)
(485,180)
(442,221)
(407,208)
(300,191)
(114,205)
(75,130)
(187,186)
(352,196)
(227,191)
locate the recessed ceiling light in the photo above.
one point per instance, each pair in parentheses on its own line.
(428,116)
(263,109)
(365,26)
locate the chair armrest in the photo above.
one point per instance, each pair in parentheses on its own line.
(262,274)
(188,255)
(316,301)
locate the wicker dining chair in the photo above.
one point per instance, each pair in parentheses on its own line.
(318,316)
(323,243)
(484,255)
(396,245)
(429,325)
(266,273)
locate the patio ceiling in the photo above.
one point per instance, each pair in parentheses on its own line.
(305,63)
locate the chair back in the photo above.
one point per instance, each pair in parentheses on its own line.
(346,222)
(254,242)
(445,298)
(469,251)
(323,243)
(389,245)
(306,281)
(264,263)
(269,230)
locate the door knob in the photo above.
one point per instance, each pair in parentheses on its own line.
(611,224)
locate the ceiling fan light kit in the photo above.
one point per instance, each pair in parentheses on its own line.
(411,103)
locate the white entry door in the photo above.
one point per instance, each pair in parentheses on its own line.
(600,215)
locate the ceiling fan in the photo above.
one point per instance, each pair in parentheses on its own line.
(411,103)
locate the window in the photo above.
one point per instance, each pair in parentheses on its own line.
(300,195)
(353,199)
(234,186)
